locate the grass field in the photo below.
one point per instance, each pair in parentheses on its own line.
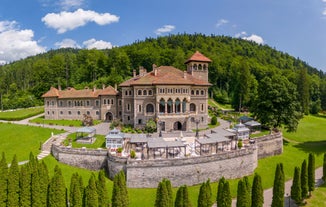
(296,148)
(76,123)
(99,143)
(20,114)
(21,140)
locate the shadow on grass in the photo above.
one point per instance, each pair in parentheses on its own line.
(318,147)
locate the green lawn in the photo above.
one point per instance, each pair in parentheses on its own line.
(317,198)
(20,114)
(99,143)
(295,150)
(21,140)
(76,123)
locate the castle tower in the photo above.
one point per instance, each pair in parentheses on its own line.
(197,66)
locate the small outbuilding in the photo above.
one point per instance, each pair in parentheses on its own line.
(86,135)
(114,139)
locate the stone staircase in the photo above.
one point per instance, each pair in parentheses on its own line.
(46,147)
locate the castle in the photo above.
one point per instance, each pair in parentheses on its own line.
(176,99)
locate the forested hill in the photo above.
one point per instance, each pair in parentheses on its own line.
(23,82)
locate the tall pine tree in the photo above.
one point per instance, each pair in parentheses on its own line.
(3,180)
(304,180)
(242,194)
(311,173)
(13,184)
(205,195)
(162,195)
(278,187)
(220,188)
(120,196)
(76,195)
(296,186)
(102,190)
(257,193)
(44,182)
(182,198)
(57,190)
(25,186)
(91,197)
(227,199)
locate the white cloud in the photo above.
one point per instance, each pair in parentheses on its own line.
(67,43)
(15,43)
(254,38)
(164,29)
(98,44)
(221,22)
(65,21)
(241,34)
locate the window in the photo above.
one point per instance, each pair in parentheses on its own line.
(88,113)
(47,103)
(130,93)
(195,66)
(61,112)
(69,103)
(87,103)
(126,93)
(97,112)
(192,92)
(197,92)
(52,103)
(139,92)
(162,106)
(150,92)
(202,92)
(128,107)
(78,112)
(202,107)
(96,102)
(128,118)
(120,102)
(177,106)
(139,121)
(61,103)
(112,101)
(52,112)
(139,108)
(104,101)
(192,107)
(69,112)
(169,106)
(145,93)
(149,108)
(48,113)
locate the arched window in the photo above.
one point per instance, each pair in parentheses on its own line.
(205,67)
(200,67)
(139,92)
(202,92)
(145,92)
(162,106)
(150,92)
(197,92)
(195,67)
(192,92)
(149,108)
(177,105)
(126,93)
(193,107)
(170,109)
(184,105)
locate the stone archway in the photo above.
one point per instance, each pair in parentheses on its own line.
(108,117)
(177,126)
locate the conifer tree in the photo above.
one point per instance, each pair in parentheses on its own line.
(324,168)
(242,194)
(169,189)
(75,196)
(25,186)
(205,194)
(44,182)
(3,180)
(91,197)
(162,195)
(219,197)
(120,193)
(278,187)
(248,188)
(304,180)
(227,199)
(182,198)
(13,184)
(296,186)
(102,190)
(311,173)
(35,184)
(257,193)
(57,190)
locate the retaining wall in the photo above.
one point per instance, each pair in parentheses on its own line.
(270,145)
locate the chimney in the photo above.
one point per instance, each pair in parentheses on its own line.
(142,71)
(154,69)
(59,87)
(103,86)
(134,73)
(115,86)
(185,74)
(94,88)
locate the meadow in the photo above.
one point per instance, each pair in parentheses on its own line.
(20,114)
(308,138)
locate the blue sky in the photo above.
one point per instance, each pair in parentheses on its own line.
(297,27)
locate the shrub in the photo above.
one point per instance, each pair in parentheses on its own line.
(214,120)
(119,150)
(240,145)
(132,154)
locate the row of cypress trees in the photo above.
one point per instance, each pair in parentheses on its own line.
(247,196)
(30,186)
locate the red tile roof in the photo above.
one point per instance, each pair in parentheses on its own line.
(165,75)
(84,93)
(198,57)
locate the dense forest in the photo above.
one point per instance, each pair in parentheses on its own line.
(241,71)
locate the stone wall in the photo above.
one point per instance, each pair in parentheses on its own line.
(189,171)
(93,159)
(270,145)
